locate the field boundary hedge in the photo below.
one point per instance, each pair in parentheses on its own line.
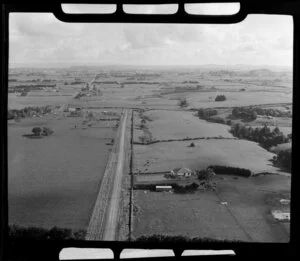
(184,139)
(179,238)
(55,233)
(227,170)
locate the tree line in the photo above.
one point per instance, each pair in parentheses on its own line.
(209,115)
(263,136)
(168,238)
(284,159)
(38,233)
(252,112)
(28,112)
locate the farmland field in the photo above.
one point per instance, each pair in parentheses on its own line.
(237,153)
(245,217)
(122,130)
(54,181)
(166,125)
(239,99)
(21,102)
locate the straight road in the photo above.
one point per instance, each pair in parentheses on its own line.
(113,209)
(104,219)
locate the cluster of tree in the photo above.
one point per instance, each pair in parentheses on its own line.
(182,103)
(244,112)
(209,115)
(28,112)
(34,80)
(206,177)
(173,239)
(206,113)
(230,170)
(264,135)
(219,120)
(185,188)
(30,87)
(76,82)
(37,74)
(252,112)
(55,233)
(284,159)
(220,98)
(190,82)
(42,131)
(141,82)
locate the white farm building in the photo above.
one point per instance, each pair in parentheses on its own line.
(183,172)
(163,188)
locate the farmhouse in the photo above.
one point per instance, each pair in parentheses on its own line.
(185,172)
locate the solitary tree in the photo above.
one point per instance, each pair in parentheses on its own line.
(183,103)
(37,131)
(220,98)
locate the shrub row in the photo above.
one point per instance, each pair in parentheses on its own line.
(28,111)
(252,112)
(55,233)
(185,139)
(230,170)
(219,120)
(183,239)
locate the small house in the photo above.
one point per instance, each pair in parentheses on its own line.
(183,172)
(163,188)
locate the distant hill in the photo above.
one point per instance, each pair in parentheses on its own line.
(223,73)
(260,73)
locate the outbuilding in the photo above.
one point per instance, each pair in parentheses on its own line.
(163,188)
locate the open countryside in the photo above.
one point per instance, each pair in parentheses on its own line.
(130,151)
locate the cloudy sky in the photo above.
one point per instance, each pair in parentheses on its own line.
(258,40)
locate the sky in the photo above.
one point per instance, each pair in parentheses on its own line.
(43,39)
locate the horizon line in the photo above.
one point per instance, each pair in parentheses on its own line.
(91,64)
